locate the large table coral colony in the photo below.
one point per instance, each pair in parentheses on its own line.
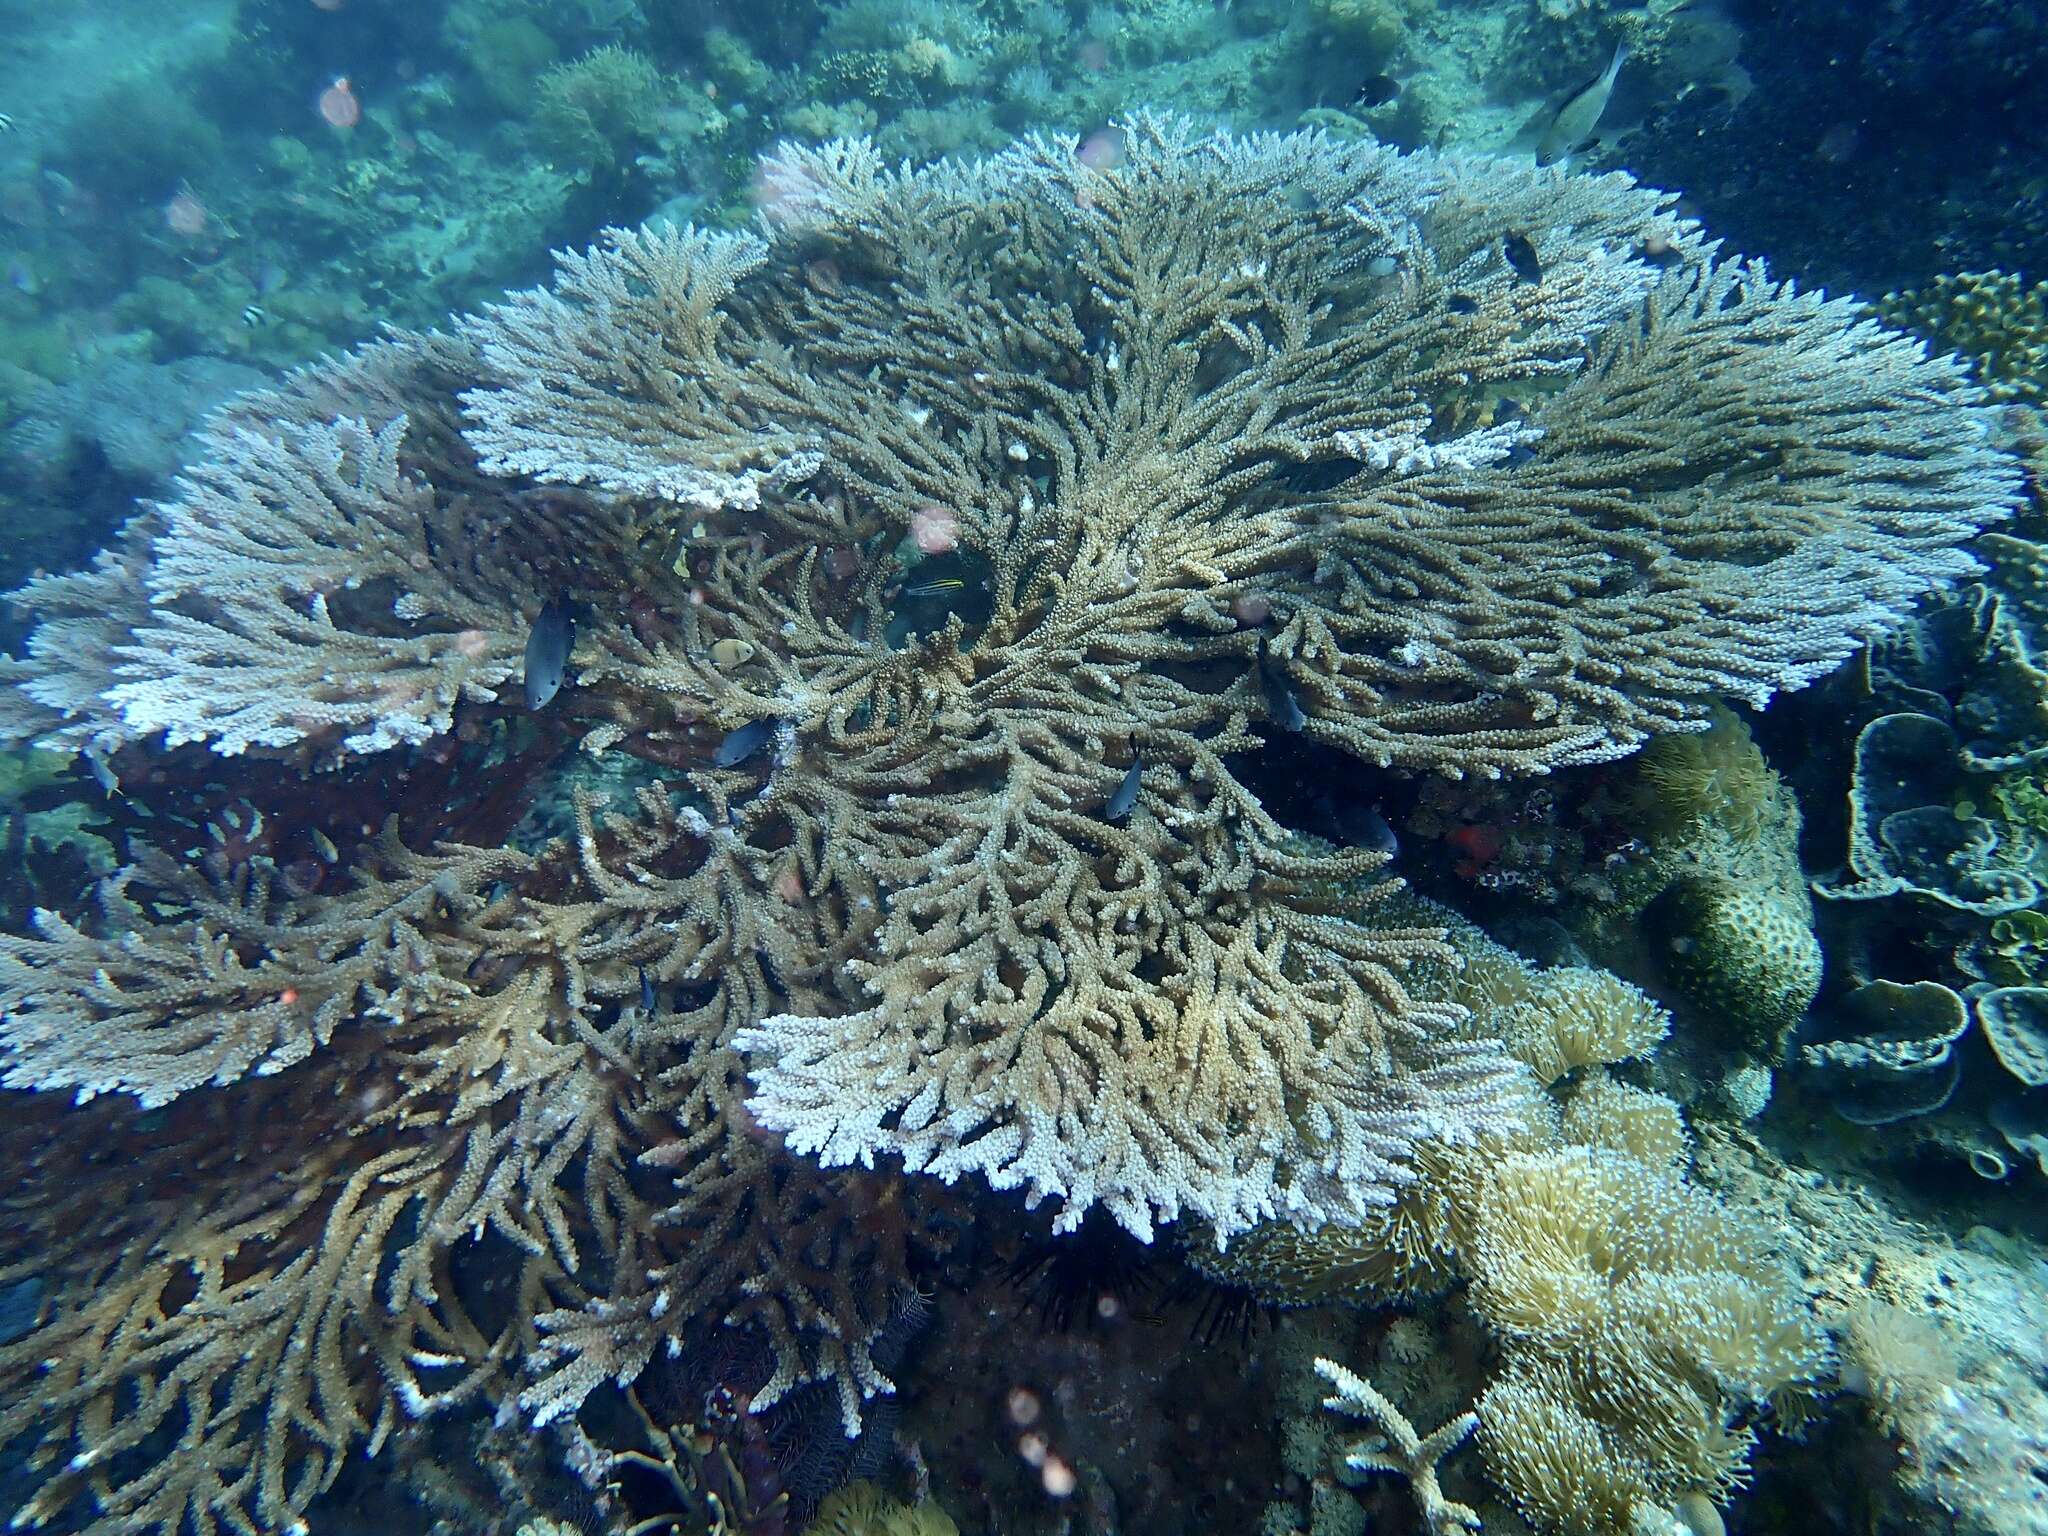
(949,546)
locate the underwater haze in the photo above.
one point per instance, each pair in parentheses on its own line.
(1024,768)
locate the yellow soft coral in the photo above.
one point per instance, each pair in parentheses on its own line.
(862,1509)
(1639,1304)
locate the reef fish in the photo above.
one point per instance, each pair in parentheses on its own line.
(1366,826)
(646,993)
(1572,127)
(743,743)
(1520,254)
(1126,796)
(1376,91)
(548,645)
(1281,705)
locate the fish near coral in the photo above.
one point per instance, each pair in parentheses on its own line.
(1520,254)
(1571,127)
(1277,690)
(1126,795)
(741,744)
(548,645)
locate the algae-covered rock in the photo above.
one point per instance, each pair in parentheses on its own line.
(505,53)
(1952,1369)
(1371,29)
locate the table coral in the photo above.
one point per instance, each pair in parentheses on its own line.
(944,548)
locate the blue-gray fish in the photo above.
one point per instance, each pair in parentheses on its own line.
(103,774)
(1126,796)
(548,645)
(743,743)
(1369,828)
(646,993)
(1281,705)
(1572,128)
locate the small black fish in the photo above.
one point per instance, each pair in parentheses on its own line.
(1521,256)
(1376,91)
(1462,304)
(1281,705)
(1358,823)
(743,743)
(1368,827)
(646,993)
(1126,795)
(548,645)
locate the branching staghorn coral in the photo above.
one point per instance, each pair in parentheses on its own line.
(237,1307)
(328,576)
(1399,1448)
(951,545)
(436,1027)
(418,1080)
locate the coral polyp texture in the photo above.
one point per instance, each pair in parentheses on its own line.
(939,555)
